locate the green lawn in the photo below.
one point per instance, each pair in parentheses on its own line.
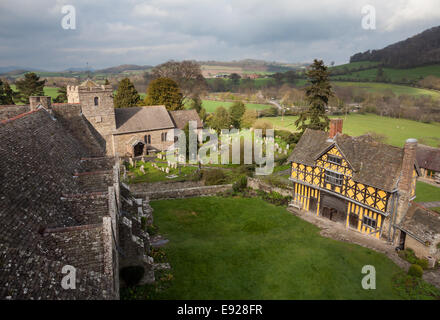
(211,105)
(426,192)
(245,248)
(381,87)
(48,91)
(396,130)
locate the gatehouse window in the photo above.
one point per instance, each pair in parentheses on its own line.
(334,159)
(96,100)
(333,178)
(369,222)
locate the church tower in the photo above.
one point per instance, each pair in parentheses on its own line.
(97,106)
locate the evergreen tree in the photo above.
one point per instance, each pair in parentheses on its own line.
(317,95)
(106,82)
(6,93)
(164,91)
(62,95)
(126,96)
(30,85)
(236,112)
(196,104)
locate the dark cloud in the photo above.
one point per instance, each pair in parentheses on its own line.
(150,32)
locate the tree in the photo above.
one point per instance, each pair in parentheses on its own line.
(62,95)
(30,85)
(235,77)
(249,118)
(164,91)
(236,113)
(106,82)
(6,93)
(317,95)
(196,104)
(220,119)
(126,96)
(187,75)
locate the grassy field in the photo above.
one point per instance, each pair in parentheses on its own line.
(211,105)
(393,74)
(396,89)
(426,192)
(48,91)
(396,130)
(245,248)
(154,175)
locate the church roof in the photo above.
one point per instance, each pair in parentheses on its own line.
(428,157)
(138,119)
(182,117)
(374,163)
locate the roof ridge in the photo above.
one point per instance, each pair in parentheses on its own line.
(21,115)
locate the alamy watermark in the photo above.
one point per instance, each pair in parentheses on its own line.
(69,280)
(69,20)
(369,281)
(369,17)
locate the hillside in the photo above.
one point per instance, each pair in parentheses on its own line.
(419,50)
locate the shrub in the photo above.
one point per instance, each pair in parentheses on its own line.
(415,271)
(423,263)
(152,230)
(287,136)
(275,198)
(214,177)
(132,275)
(240,184)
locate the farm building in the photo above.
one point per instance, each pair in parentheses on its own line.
(365,185)
(132,131)
(428,159)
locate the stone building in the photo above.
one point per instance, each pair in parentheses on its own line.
(61,204)
(132,131)
(429,162)
(363,184)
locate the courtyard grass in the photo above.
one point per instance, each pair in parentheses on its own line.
(426,192)
(396,131)
(245,248)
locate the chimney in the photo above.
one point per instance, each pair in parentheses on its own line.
(36,101)
(409,158)
(335,127)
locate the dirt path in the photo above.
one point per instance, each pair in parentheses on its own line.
(339,232)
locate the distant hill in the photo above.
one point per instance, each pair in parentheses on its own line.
(123,68)
(419,50)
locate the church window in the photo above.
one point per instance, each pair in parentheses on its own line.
(96,100)
(148,139)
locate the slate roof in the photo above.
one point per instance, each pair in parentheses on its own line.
(422,223)
(39,157)
(182,117)
(428,157)
(374,163)
(137,119)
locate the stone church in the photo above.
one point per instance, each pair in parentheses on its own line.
(131,131)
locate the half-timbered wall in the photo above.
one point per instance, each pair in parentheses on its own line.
(332,172)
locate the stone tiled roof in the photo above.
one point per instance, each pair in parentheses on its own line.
(374,164)
(39,159)
(182,117)
(422,224)
(142,119)
(10,111)
(428,157)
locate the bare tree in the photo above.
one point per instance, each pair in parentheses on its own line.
(187,74)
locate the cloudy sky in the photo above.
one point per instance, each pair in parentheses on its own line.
(110,33)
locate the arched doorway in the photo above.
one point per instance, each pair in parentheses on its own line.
(138,149)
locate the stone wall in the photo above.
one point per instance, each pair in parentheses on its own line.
(258,184)
(164,185)
(121,141)
(185,192)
